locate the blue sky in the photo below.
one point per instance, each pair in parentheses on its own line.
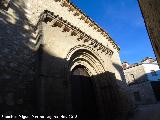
(123,21)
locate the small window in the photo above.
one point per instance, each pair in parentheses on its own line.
(153,72)
(137,96)
(132,77)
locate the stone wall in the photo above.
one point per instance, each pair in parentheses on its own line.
(145,91)
(37,55)
(137,81)
(135,74)
(17,60)
(151,12)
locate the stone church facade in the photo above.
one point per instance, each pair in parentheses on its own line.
(56,60)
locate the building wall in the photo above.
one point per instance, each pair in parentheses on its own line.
(148,69)
(151,12)
(17,60)
(145,92)
(139,84)
(136,71)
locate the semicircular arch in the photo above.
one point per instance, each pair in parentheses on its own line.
(86,56)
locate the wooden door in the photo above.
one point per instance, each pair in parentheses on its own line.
(83,97)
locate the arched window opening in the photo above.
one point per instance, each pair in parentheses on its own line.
(132,77)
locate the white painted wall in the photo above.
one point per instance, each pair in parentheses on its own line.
(148,67)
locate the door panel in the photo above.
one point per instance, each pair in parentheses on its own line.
(83,96)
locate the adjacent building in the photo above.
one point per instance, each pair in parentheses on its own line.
(151,13)
(143,80)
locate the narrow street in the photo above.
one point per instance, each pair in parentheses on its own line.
(147,112)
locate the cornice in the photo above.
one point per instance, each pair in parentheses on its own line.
(57,21)
(77,12)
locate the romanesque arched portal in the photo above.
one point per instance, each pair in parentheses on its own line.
(84,67)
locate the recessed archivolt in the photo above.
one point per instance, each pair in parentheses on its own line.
(83,47)
(85,56)
(90,69)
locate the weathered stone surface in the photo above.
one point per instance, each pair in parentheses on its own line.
(136,78)
(151,12)
(42,42)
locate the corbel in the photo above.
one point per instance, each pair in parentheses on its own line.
(73,33)
(95,44)
(95,27)
(107,51)
(99,30)
(64,4)
(86,38)
(57,24)
(71,8)
(104,35)
(66,29)
(82,17)
(104,49)
(110,52)
(114,46)
(86,20)
(108,38)
(100,46)
(80,38)
(82,35)
(92,42)
(47,18)
(91,24)
(76,13)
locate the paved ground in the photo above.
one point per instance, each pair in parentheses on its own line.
(147,112)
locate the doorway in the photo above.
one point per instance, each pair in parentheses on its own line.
(83,94)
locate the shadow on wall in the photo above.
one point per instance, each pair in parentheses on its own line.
(91,96)
(150,84)
(17,60)
(120,70)
(156,88)
(145,77)
(34,82)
